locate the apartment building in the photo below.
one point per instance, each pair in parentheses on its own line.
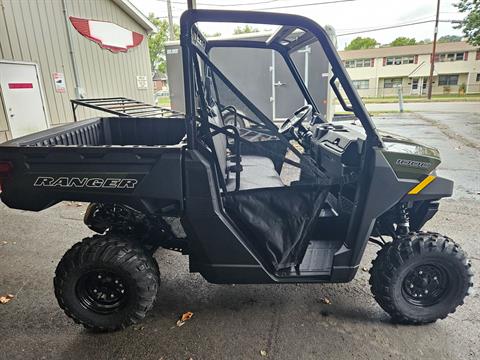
(381,71)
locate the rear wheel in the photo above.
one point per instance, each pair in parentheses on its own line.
(420,277)
(106,283)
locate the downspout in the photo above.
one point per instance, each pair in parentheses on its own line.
(272,98)
(306,51)
(78,93)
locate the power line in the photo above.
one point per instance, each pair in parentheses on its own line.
(240,4)
(268,1)
(320,3)
(225,5)
(303,5)
(391,27)
(359,29)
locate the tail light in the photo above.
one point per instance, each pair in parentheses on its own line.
(6,169)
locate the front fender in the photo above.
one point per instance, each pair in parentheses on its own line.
(430,188)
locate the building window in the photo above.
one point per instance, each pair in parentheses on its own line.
(478,77)
(445,80)
(392,83)
(399,60)
(357,63)
(450,57)
(361,84)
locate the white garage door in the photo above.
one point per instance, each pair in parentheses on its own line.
(22,98)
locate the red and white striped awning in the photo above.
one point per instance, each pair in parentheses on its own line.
(106,34)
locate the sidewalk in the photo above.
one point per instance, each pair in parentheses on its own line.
(448,107)
(417,99)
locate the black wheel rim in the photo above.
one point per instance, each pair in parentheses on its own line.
(102,291)
(425,285)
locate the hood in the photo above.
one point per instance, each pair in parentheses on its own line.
(408,158)
(400,144)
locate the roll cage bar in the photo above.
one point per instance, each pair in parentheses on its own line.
(278,41)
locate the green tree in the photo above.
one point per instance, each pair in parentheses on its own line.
(245,30)
(424,41)
(449,38)
(402,41)
(156,43)
(361,43)
(470,25)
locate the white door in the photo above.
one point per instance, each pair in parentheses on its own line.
(415,87)
(424,85)
(22,98)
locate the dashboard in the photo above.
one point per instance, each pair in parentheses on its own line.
(337,148)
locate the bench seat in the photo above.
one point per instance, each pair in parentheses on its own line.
(257,172)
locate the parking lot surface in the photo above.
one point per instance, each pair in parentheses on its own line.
(247,321)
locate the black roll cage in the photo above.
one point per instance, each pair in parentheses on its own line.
(267,123)
(288,23)
(282,50)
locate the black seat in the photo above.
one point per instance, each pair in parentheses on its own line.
(257,171)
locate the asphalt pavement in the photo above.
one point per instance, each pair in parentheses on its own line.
(246,321)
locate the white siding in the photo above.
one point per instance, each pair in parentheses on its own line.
(35,31)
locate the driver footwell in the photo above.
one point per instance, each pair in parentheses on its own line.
(317,261)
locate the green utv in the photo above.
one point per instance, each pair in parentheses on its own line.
(220,170)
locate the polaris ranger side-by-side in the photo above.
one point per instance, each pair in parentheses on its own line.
(221,169)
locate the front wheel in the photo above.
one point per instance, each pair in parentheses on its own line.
(420,278)
(106,283)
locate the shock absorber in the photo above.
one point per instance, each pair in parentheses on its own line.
(403,221)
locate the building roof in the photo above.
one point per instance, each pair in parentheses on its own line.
(406,50)
(136,15)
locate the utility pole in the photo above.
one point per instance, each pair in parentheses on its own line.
(170,21)
(432,64)
(192,4)
(400,98)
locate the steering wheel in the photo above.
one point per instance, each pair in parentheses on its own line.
(296,119)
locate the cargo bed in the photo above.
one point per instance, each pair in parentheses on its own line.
(134,161)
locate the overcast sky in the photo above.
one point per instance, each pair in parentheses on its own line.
(345,17)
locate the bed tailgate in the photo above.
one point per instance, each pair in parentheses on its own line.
(148,178)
